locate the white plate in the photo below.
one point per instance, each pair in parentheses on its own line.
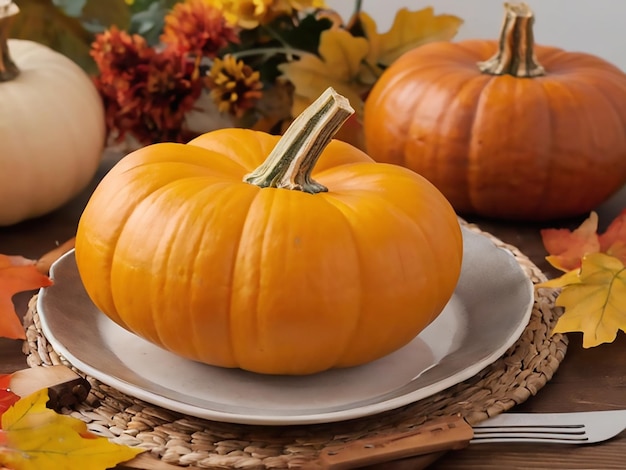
(487,313)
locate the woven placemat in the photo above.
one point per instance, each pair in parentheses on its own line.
(184,440)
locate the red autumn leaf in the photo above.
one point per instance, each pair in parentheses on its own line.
(567,248)
(17,274)
(7,397)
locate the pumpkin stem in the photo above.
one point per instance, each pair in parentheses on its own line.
(290,163)
(8,69)
(516,53)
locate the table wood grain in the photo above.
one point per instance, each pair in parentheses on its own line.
(588,379)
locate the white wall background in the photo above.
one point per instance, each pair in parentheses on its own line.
(594,26)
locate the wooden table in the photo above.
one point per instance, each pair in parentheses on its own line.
(593,379)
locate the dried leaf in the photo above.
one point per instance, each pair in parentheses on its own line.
(594,299)
(613,240)
(341,57)
(567,248)
(17,274)
(410,29)
(7,397)
(36,437)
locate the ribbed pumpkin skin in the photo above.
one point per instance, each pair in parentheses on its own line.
(176,248)
(52,132)
(499,146)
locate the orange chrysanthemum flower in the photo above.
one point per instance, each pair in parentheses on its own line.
(146,93)
(199,28)
(116,54)
(235,87)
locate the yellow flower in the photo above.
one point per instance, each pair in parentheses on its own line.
(235,87)
(250,13)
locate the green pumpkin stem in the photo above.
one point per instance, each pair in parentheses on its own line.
(8,69)
(290,163)
(516,50)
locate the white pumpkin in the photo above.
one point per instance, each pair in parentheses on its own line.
(52,132)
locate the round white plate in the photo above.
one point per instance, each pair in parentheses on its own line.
(487,313)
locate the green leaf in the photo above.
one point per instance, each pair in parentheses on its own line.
(150,21)
(71,7)
(99,15)
(306,36)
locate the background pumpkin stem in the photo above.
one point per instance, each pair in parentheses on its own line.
(8,69)
(291,162)
(516,50)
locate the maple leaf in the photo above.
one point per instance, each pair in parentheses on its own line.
(340,58)
(34,437)
(17,274)
(351,64)
(567,248)
(7,397)
(410,29)
(594,299)
(613,240)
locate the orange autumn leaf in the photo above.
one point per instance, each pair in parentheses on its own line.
(34,437)
(43,264)
(567,248)
(17,274)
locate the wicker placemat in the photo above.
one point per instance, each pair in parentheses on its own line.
(184,440)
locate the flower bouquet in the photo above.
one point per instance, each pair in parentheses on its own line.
(186,67)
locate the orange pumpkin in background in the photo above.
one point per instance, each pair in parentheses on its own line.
(530,133)
(273,272)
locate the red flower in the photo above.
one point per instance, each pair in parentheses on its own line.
(146,93)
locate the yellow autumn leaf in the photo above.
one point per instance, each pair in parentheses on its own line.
(410,29)
(594,299)
(37,438)
(340,58)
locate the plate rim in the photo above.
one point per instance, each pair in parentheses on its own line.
(291,419)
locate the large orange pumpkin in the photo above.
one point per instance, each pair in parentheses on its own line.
(279,273)
(531,132)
